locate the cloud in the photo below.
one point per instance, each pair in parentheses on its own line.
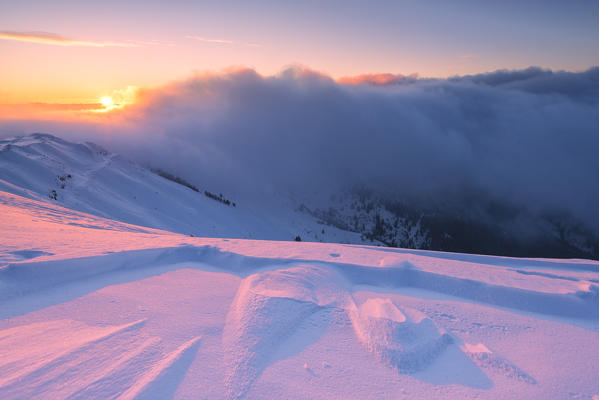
(220,41)
(56,40)
(577,86)
(377,79)
(203,39)
(525,138)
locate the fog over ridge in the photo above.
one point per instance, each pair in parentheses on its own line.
(528,137)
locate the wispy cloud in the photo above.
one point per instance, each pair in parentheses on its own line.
(467,56)
(57,40)
(220,41)
(203,39)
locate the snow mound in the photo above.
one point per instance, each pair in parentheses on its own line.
(320,285)
(404,338)
(266,311)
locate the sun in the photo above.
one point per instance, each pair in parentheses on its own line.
(106,101)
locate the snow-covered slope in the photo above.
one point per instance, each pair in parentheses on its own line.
(87,178)
(92,308)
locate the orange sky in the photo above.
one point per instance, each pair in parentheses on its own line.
(73,52)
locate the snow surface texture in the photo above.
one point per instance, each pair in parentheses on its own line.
(93,308)
(407,340)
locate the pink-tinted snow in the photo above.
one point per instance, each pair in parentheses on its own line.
(94,308)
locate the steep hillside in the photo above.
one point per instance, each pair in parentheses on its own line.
(86,177)
(482,227)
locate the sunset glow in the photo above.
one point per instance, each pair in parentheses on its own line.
(106,101)
(82,59)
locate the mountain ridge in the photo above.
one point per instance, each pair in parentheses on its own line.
(88,178)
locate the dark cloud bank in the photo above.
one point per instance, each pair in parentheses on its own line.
(527,139)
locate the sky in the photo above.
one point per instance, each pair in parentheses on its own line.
(72,52)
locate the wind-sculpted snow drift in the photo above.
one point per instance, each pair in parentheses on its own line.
(112,356)
(404,338)
(92,308)
(270,305)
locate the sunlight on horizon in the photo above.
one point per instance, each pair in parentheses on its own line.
(107,102)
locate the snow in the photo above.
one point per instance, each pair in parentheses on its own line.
(93,306)
(87,178)
(406,340)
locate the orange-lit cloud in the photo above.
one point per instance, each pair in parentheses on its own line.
(376,79)
(57,40)
(219,41)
